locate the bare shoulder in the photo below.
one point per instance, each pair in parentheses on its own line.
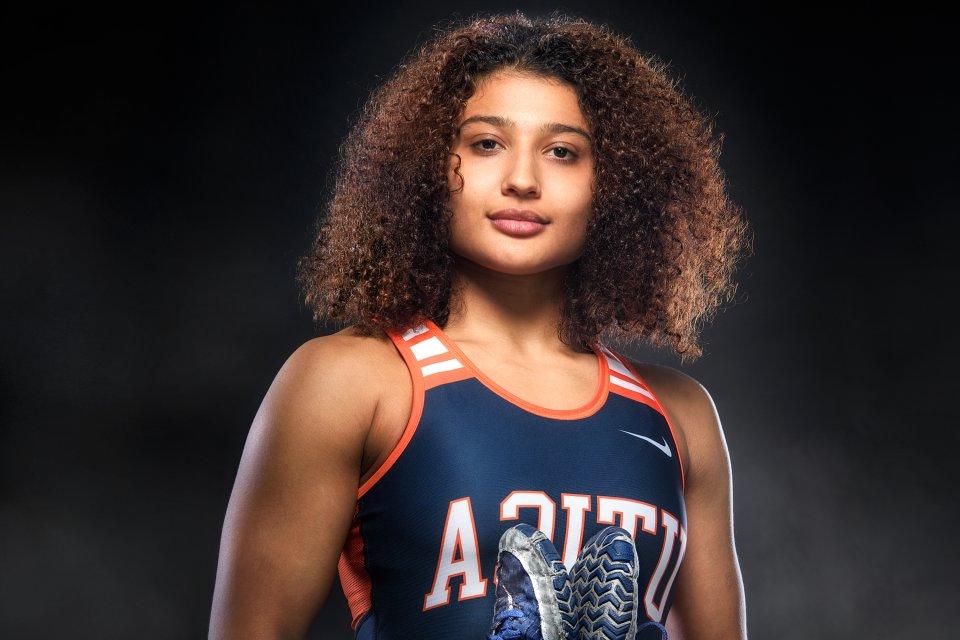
(376,363)
(691,410)
(680,391)
(348,353)
(365,381)
(343,373)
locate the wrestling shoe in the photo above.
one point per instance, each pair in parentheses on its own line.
(651,631)
(534,597)
(606,590)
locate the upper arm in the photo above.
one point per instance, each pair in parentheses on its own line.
(294,495)
(709,599)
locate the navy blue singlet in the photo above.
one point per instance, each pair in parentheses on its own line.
(474,460)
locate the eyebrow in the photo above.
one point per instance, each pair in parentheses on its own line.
(507,123)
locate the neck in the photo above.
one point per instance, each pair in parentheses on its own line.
(516,312)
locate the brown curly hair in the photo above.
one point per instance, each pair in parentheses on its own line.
(663,239)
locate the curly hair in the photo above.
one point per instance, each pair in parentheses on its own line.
(663,239)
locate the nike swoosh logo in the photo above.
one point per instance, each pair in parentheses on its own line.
(663,447)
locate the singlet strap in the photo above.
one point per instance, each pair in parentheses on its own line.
(429,364)
(625,381)
(428,356)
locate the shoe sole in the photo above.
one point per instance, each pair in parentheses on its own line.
(605,584)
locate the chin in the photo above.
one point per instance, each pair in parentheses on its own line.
(517,266)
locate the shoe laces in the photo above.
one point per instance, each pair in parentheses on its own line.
(511,628)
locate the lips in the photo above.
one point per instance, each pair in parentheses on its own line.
(518,222)
(518,214)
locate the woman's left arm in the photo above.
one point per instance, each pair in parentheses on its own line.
(708,595)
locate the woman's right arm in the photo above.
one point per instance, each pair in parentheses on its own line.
(295,493)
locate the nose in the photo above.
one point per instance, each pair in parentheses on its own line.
(521,178)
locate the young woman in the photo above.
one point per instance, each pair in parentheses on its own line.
(517,196)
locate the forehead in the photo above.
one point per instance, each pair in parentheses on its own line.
(525,98)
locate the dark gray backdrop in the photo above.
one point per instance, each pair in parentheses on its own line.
(161,169)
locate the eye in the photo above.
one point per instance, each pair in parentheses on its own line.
(476,144)
(568,154)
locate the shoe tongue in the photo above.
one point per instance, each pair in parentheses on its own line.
(515,591)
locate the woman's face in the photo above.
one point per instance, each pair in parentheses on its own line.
(524,146)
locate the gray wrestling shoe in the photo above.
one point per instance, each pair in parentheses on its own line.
(534,593)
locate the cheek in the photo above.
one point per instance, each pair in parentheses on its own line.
(473,171)
(577,189)
(471,188)
(461,200)
(577,193)
(578,209)
(458,178)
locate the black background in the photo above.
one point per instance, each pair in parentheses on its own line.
(161,170)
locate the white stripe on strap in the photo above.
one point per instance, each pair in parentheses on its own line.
(633,387)
(428,348)
(439,367)
(615,365)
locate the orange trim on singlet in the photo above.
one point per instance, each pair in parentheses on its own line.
(654,403)
(630,393)
(354,579)
(416,410)
(437,379)
(587,410)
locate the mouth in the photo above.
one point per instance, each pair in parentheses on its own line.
(525,215)
(518,222)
